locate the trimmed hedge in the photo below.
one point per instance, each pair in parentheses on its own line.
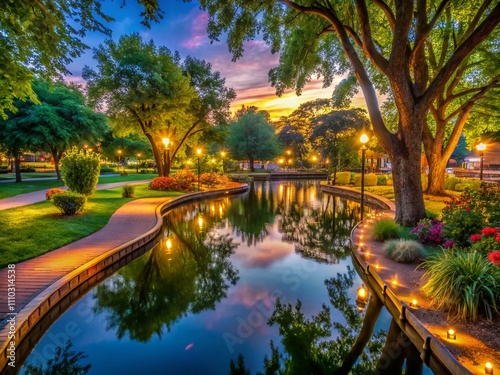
(370,179)
(69,203)
(342,178)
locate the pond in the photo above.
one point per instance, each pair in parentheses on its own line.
(221,290)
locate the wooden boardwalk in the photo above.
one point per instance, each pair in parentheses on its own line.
(34,275)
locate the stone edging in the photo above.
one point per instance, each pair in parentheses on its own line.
(433,353)
(35,309)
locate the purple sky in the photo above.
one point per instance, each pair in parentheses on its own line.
(183,29)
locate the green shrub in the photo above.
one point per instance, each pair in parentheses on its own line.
(403,251)
(386,229)
(468,184)
(128,191)
(80,171)
(390,182)
(342,178)
(69,203)
(465,283)
(370,179)
(451,181)
(381,180)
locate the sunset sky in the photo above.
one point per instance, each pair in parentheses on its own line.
(183,29)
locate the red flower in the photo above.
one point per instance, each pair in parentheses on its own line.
(449,244)
(497,239)
(494,256)
(475,237)
(490,231)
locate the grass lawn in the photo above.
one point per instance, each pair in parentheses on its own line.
(33,230)
(11,189)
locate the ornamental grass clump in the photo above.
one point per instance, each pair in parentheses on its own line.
(69,203)
(403,251)
(80,170)
(466,283)
(386,229)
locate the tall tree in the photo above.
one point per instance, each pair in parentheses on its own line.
(380,43)
(252,137)
(335,135)
(61,120)
(43,36)
(142,88)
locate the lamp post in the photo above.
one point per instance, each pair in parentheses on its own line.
(363,139)
(137,164)
(481,147)
(222,154)
(289,153)
(166,156)
(119,156)
(198,153)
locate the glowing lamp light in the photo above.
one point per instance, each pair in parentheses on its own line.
(168,243)
(198,151)
(481,147)
(166,141)
(377,266)
(200,222)
(488,368)
(364,138)
(413,303)
(394,282)
(451,334)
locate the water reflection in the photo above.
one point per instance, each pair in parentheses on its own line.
(204,294)
(186,273)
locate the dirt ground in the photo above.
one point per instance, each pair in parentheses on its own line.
(476,343)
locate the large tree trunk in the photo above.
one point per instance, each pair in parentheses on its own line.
(408,189)
(17,166)
(437,168)
(252,168)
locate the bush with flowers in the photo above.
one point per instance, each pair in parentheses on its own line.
(183,180)
(53,191)
(212,179)
(487,241)
(429,232)
(462,218)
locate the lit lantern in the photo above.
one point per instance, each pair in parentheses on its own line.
(413,303)
(451,334)
(488,368)
(361,298)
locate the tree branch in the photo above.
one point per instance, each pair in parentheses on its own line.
(388,13)
(476,37)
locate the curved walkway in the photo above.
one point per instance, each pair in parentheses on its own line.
(405,280)
(39,196)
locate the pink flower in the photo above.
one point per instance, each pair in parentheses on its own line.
(475,237)
(494,256)
(490,231)
(449,244)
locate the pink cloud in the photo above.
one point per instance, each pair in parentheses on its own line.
(198,32)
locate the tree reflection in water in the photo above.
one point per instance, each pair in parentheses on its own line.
(307,343)
(250,214)
(186,275)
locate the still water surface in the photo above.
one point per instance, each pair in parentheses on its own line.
(205,293)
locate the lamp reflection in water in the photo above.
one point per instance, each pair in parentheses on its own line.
(363,139)
(361,298)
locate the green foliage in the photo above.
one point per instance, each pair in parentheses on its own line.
(342,178)
(462,218)
(244,179)
(370,179)
(65,361)
(80,171)
(386,229)
(106,170)
(467,184)
(451,181)
(69,203)
(464,282)
(381,180)
(252,137)
(128,191)
(403,251)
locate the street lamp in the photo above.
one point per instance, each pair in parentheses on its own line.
(119,156)
(289,153)
(222,154)
(198,153)
(481,147)
(137,164)
(363,139)
(166,156)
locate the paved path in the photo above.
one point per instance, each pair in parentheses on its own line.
(32,276)
(39,196)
